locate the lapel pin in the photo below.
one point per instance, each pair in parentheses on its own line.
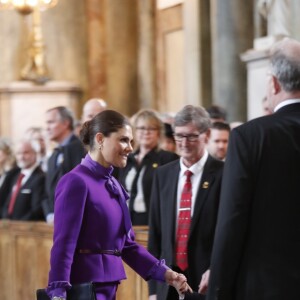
(155,165)
(205,185)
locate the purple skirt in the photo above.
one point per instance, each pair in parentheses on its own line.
(106,290)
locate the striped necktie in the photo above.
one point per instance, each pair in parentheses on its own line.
(184,223)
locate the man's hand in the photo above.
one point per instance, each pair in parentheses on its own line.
(178,281)
(204,283)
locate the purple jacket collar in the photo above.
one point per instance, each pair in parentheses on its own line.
(96,168)
(113,186)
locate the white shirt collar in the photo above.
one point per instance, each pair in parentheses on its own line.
(29,171)
(286,102)
(195,168)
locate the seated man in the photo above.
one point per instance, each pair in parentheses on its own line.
(24,190)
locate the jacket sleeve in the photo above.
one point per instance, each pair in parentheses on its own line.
(141,261)
(70,199)
(232,223)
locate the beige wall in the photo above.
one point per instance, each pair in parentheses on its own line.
(106,48)
(64,31)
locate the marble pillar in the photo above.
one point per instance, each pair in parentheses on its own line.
(197,56)
(121,55)
(232,34)
(96,41)
(146,53)
(205,57)
(192,61)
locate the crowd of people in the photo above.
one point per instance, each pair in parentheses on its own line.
(46,154)
(221,201)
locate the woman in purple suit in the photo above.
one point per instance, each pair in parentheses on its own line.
(92,228)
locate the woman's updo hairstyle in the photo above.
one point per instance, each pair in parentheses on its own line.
(106,122)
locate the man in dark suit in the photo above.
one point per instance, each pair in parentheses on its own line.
(256,253)
(23,199)
(191,132)
(66,155)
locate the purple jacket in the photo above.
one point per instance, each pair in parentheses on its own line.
(88,215)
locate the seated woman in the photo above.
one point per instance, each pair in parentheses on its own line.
(137,176)
(8,168)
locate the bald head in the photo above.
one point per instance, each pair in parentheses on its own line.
(288,47)
(92,107)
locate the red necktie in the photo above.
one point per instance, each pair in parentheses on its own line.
(15,192)
(184,223)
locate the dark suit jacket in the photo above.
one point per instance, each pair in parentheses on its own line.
(73,152)
(28,202)
(163,220)
(7,186)
(257,243)
(154,159)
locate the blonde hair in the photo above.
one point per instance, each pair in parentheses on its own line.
(6,148)
(150,116)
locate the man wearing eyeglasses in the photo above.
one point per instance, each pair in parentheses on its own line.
(184,203)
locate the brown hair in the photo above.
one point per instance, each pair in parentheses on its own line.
(106,122)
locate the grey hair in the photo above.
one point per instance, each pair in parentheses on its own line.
(286,70)
(65,115)
(193,114)
(34,144)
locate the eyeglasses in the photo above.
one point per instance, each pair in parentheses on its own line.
(189,137)
(151,129)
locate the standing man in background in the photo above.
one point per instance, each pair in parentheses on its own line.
(91,108)
(257,242)
(218,140)
(67,154)
(184,203)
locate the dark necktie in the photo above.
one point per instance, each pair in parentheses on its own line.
(184,223)
(15,193)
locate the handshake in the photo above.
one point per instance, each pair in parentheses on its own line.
(179,282)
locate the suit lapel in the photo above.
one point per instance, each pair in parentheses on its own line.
(53,170)
(170,209)
(31,178)
(206,182)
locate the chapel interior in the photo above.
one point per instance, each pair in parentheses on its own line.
(160,54)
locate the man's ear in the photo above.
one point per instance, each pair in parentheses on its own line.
(275,85)
(207,133)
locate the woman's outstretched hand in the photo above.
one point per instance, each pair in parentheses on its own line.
(178,281)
